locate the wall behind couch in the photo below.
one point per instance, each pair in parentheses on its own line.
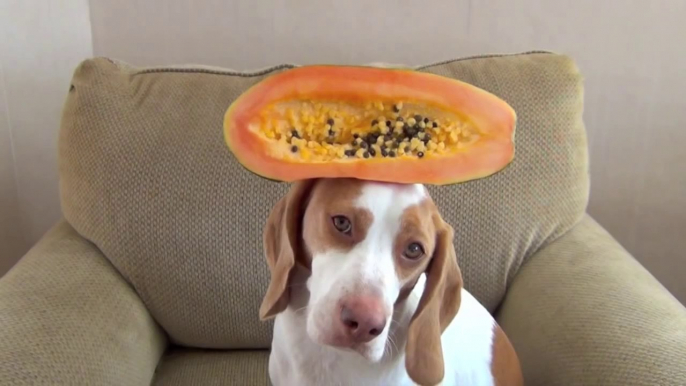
(40,44)
(635,86)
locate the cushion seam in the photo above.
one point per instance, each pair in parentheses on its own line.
(250,74)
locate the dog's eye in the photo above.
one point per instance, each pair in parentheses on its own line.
(342,224)
(414,251)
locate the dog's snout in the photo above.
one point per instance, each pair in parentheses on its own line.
(362,318)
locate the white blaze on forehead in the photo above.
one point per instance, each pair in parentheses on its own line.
(387,203)
(385,200)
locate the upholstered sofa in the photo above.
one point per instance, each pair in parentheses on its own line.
(156,273)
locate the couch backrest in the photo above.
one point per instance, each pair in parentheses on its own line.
(146,176)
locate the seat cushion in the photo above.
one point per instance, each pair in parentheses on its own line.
(146,176)
(185,367)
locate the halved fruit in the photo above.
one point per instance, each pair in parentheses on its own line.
(390,125)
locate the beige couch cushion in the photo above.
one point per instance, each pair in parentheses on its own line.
(67,317)
(584,312)
(146,176)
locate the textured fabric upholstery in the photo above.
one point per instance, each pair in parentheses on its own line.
(183,367)
(67,317)
(582,311)
(146,176)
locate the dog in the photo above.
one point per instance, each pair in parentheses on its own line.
(365,289)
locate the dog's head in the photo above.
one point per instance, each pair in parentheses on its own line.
(365,245)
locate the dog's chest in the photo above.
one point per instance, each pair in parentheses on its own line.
(330,372)
(295,360)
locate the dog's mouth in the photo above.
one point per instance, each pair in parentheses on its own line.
(366,351)
(369,351)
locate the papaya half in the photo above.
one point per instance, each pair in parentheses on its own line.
(381,124)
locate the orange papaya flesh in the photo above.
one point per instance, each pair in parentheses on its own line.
(390,125)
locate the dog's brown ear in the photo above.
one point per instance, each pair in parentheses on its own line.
(281,240)
(437,308)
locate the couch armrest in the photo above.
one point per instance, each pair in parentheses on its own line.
(582,311)
(68,318)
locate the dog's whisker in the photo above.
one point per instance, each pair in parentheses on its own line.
(394,327)
(390,339)
(390,346)
(301,309)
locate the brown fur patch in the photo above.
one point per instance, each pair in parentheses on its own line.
(505,364)
(437,307)
(416,226)
(283,246)
(329,198)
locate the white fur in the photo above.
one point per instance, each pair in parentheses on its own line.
(300,355)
